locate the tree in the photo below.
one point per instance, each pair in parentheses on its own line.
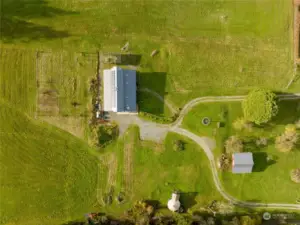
(242,124)
(182,220)
(295,175)
(225,162)
(260,106)
(288,140)
(247,220)
(233,144)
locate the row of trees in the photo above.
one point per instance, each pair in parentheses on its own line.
(144,213)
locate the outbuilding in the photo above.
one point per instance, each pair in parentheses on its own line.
(242,162)
(119,90)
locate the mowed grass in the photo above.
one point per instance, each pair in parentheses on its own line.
(157,170)
(47,175)
(206,47)
(67,76)
(272,181)
(17,78)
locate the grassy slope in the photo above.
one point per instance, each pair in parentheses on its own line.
(205,48)
(158,170)
(273,181)
(47,175)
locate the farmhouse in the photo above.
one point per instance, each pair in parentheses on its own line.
(119,90)
(242,162)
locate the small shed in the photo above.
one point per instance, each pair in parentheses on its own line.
(174,203)
(242,162)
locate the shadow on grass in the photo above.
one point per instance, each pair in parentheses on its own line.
(15,25)
(262,162)
(130,59)
(155,81)
(289,112)
(187,200)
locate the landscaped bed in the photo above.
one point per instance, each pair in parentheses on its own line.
(272,178)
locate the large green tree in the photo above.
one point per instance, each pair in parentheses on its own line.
(260,106)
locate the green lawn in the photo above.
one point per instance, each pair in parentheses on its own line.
(204,46)
(273,181)
(47,175)
(204,50)
(156,170)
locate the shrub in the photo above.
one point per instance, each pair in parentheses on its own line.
(241,124)
(233,144)
(288,140)
(295,175)
(261,141)
(107,133)
(225,162)
(158,119)
(178,145)
(260,106)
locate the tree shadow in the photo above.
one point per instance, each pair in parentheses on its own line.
(262,161)
(250,144)
(288,112)
(150,102)
(187,200)
(15,24)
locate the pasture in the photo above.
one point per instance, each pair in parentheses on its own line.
(147,170)
(47,175)
(272,180)
(48,56)
(206,47)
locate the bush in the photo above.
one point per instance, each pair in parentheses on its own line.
(288,140)
(158,119)
(178,145)
(241,124)
(233,144)
(260,106)
(261,141)
(107,133)
(225,162)
(295,175)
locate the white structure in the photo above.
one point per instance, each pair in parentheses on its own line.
(119,90)
(242,162)
(174,203)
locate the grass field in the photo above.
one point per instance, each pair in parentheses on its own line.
(273,181)
(206,47)
(154,170)
(49,46)
(47,175)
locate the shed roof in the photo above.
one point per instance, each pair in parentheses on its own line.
(242,162)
